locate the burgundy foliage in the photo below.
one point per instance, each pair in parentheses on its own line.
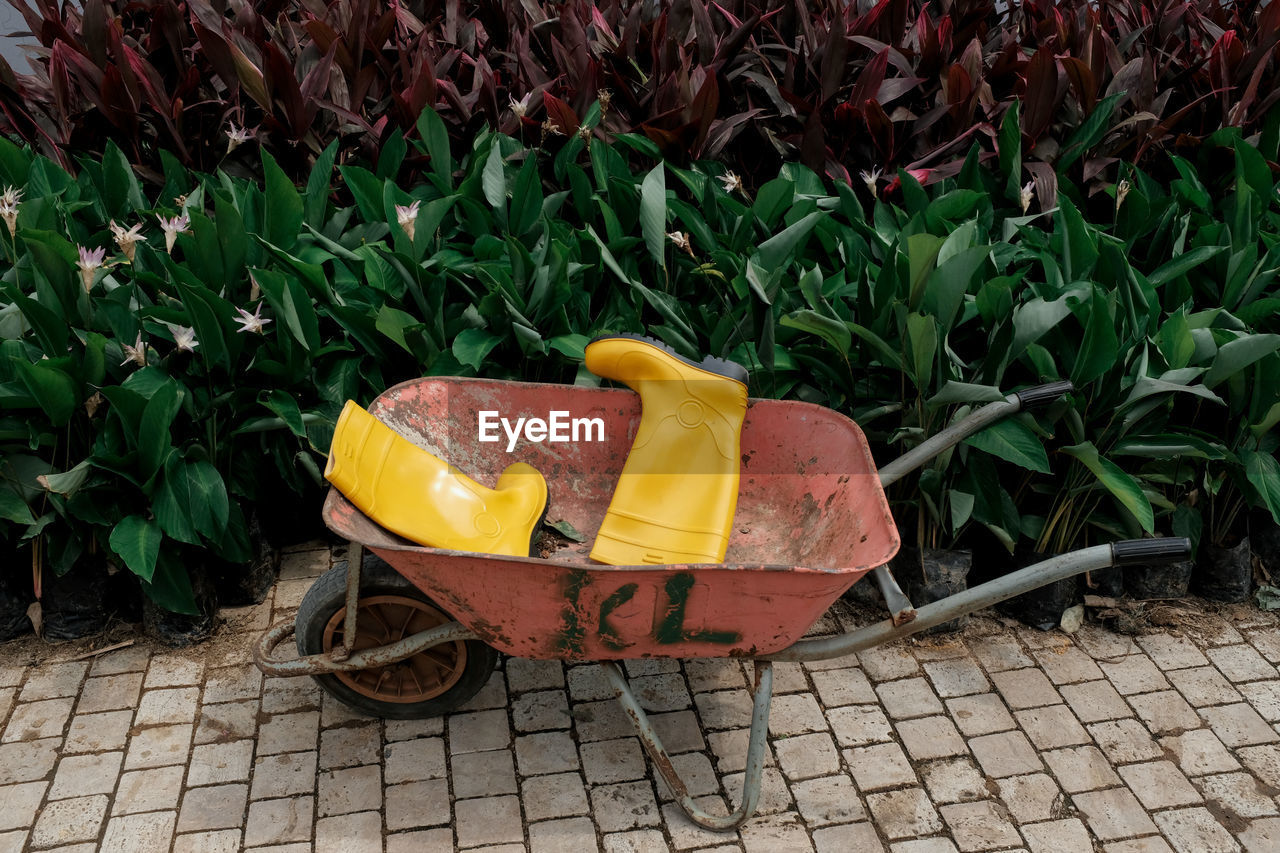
(843,86)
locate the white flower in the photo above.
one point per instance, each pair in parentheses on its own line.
(127,240)
(9,208)
(180,224)
(136,353)
(870,179)
(731,182)
(407,216)
(1122,190)
(251,322)
(681,240)
(605,97)
(90,262)
(237,136)
(1027,194)
(550,128)
(519,107)
(184,337)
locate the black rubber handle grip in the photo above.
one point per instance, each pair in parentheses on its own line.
(1149,552)
(1042,395)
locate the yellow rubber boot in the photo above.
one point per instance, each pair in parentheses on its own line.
(422,498)
(675,500)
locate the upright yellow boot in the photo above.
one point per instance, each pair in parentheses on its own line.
(675,500)
(410,492)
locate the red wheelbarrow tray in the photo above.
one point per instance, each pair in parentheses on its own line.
(811,520)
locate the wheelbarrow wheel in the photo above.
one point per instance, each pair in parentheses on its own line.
(429,684)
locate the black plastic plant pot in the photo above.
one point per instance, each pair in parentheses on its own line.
(15,595)
(1264,539)
(1224,573)
(1041,608)
(1109,582)
(1171,580)
(931,574)
(241,584)
(75,604)
(181,629)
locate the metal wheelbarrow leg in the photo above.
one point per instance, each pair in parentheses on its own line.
(762,695)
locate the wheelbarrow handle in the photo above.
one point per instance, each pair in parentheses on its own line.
(1043,395)
(1151,552)
(974,422)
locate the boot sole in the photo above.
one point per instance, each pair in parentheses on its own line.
(720,367)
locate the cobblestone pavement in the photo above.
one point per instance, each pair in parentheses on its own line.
(996,738)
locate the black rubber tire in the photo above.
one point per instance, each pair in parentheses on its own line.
(328,595)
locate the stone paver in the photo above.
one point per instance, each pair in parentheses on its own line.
(997,738)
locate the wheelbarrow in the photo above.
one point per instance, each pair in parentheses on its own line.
(421,638)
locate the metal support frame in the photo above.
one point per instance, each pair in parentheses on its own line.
(957,604)
(355,565)
(324,664)
(762,696)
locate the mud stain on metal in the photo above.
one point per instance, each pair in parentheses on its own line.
(572,632)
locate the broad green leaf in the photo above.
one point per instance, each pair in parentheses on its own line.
(366,189)
(949,283)
(1168,447)
(961,508)
(1033,319)
(1089,133)
(1079,246)
(283,405)
(1263,472)
(122,194)
(291,305)
(392,155)
(14,508)
(154,439)
(1187,522)
(1011,152)
(922,252)
(1012,441)
(964,392)
(69,481)
(170,587)
(283,205)
(653,213)
(572,346)
(1269,420)
(922,341)
(891,356)
(392,322)
(780,249)
(1123,487)
(1183,264)
(1175,341)
(436,139)
(1146,386)
(53,389)
(1238,354)
(318,186)
(526,199)
(472,345)
(137,541)
(1100,346)
(493,180)
(832,331)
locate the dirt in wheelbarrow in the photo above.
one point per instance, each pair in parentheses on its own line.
(558,538)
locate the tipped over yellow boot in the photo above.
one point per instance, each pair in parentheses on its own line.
(675,500)
(424,499)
